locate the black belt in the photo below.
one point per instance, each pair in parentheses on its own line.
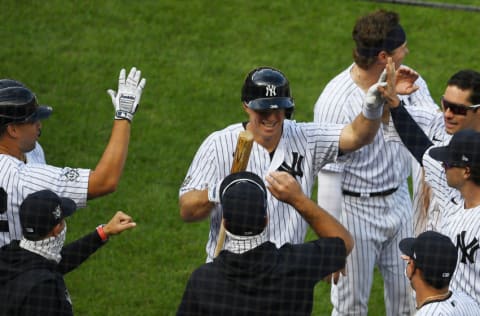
(382,193)
(4,226)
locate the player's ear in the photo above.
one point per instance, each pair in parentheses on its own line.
(383,57)
(57,229)
(468,173)
(11,130)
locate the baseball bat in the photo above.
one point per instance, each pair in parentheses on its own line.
(240,162)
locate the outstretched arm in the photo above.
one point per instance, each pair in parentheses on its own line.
(364,127)
(105,177)
(409,131)
(285,188)
(80,250)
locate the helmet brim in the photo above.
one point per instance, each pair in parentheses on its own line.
(42,112)
(271,104)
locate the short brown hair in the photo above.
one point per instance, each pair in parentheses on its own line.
(370,31)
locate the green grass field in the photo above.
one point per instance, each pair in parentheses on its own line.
(194,55)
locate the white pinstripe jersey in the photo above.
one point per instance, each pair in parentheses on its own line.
(19,179)
(378,166)
(458,304)
(303,148)
(461,225)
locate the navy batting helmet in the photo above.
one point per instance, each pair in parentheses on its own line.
(19,104)
(267,88)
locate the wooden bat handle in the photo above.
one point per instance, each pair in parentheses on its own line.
(240,162)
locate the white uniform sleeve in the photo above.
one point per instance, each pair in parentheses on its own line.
(204,167)
(66,182)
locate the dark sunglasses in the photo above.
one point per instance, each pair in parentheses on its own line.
(457,109)
(449,165)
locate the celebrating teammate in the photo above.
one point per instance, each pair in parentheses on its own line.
(32,269)
(370,194)
(279,144)
(431,261)
(252,276)
(36,154)
(461,215)
(460,111)
(20,128)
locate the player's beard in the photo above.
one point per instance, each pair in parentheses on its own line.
(49,248)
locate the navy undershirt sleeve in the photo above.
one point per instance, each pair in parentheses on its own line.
(410,132)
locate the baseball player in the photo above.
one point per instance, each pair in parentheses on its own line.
(375,201)
(431,261)
(460,160)
(37,154)
(20,125)
(279,144)
(459,112)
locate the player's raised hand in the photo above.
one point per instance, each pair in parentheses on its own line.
(127,98)
(374,100)
(405,78)
(389,91)
(119,223)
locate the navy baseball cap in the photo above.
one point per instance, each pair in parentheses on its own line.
(433,253)
(19,104)
(41,211)
(243,197)
(463,149)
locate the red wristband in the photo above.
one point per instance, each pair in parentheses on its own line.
(101,233)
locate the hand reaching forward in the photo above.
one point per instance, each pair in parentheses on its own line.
(284,187)
(119,223)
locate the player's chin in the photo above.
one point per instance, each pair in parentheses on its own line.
(451,128)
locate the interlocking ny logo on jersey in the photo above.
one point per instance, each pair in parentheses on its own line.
(270,90)
(296,168)
(467,251)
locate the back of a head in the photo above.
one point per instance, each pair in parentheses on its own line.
(41,211)
(434,254)
(267,88)
(243,198)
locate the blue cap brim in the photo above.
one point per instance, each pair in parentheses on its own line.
(406,246)
(68,206)
(440,153)
(42,112)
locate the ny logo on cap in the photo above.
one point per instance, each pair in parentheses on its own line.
(465,158)
(57,212)
(270,90)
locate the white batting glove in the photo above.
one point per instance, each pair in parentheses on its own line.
(214,192)
(126,100)
(373,104)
